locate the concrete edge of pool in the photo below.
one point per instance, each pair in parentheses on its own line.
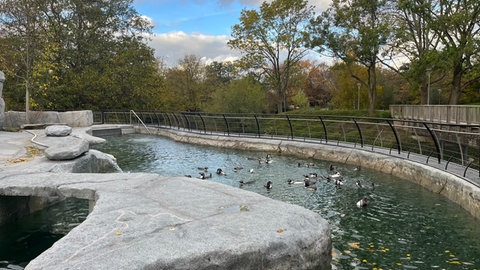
(147,221)
(447,184)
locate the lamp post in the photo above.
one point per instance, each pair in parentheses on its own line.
(358,95)
(439,95)
(429,72)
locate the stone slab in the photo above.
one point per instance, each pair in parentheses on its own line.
(146,221)
(64,148)
(58,130)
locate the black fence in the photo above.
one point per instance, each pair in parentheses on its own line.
(451,147)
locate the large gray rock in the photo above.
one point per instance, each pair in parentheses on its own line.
(58,130)
(65,148)
(146,221)
(77,118)
(14,119)
(95,161)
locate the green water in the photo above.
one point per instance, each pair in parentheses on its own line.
(24,239)
(404,227)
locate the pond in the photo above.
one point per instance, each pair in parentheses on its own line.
(404,226)
(24,239)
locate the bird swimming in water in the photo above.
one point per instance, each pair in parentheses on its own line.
(243,183)
(293,182)
(310,184)
(311,187)
(362,203)
(237,169)
(311,175)
(358,184)
(203,169)
(269,185)
(334,176)
(308,165)
(338,182)
(266,160)
(220,172)
(203,176)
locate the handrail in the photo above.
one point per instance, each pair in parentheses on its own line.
(437,140)
(133,112)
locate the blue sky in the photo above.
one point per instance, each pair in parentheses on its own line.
(207,17)
(198,27)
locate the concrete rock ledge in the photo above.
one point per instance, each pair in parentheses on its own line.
(146,221)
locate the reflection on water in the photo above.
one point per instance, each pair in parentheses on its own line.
(24,239)
(404,226)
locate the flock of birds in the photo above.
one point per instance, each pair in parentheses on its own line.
(309,181)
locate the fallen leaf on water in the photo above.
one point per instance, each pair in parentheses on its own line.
(354,245)
(279,230)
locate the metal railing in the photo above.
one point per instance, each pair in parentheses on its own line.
(451,147)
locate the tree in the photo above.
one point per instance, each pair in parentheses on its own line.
(22,26)
(70,46)
(319,83)
(185,83)
(354,31)
(272,41)
(457,23)
(244,95)
(415,42)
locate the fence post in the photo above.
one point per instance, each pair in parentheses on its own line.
(203,123)
(359,131)
(258,125)
(324,129)
(399,147)
(226,124)
(290,125)
(188,121)
(168,119)
(176,120)
(435,141)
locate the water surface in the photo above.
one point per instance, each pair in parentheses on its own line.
(404,227)
(24,239)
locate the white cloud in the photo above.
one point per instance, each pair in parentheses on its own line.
(174,46)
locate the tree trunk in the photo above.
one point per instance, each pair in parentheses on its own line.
(372,89)
(456,84)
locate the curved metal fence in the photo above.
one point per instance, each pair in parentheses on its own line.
(451,147)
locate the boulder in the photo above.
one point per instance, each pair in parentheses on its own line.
(58,130)
(95,161)
(77,118)
(65,148)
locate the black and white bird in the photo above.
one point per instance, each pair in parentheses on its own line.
(204,176)
(220,172)
(359,184)
(269,185)
(362,203)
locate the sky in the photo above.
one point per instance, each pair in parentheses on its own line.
(198,27)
